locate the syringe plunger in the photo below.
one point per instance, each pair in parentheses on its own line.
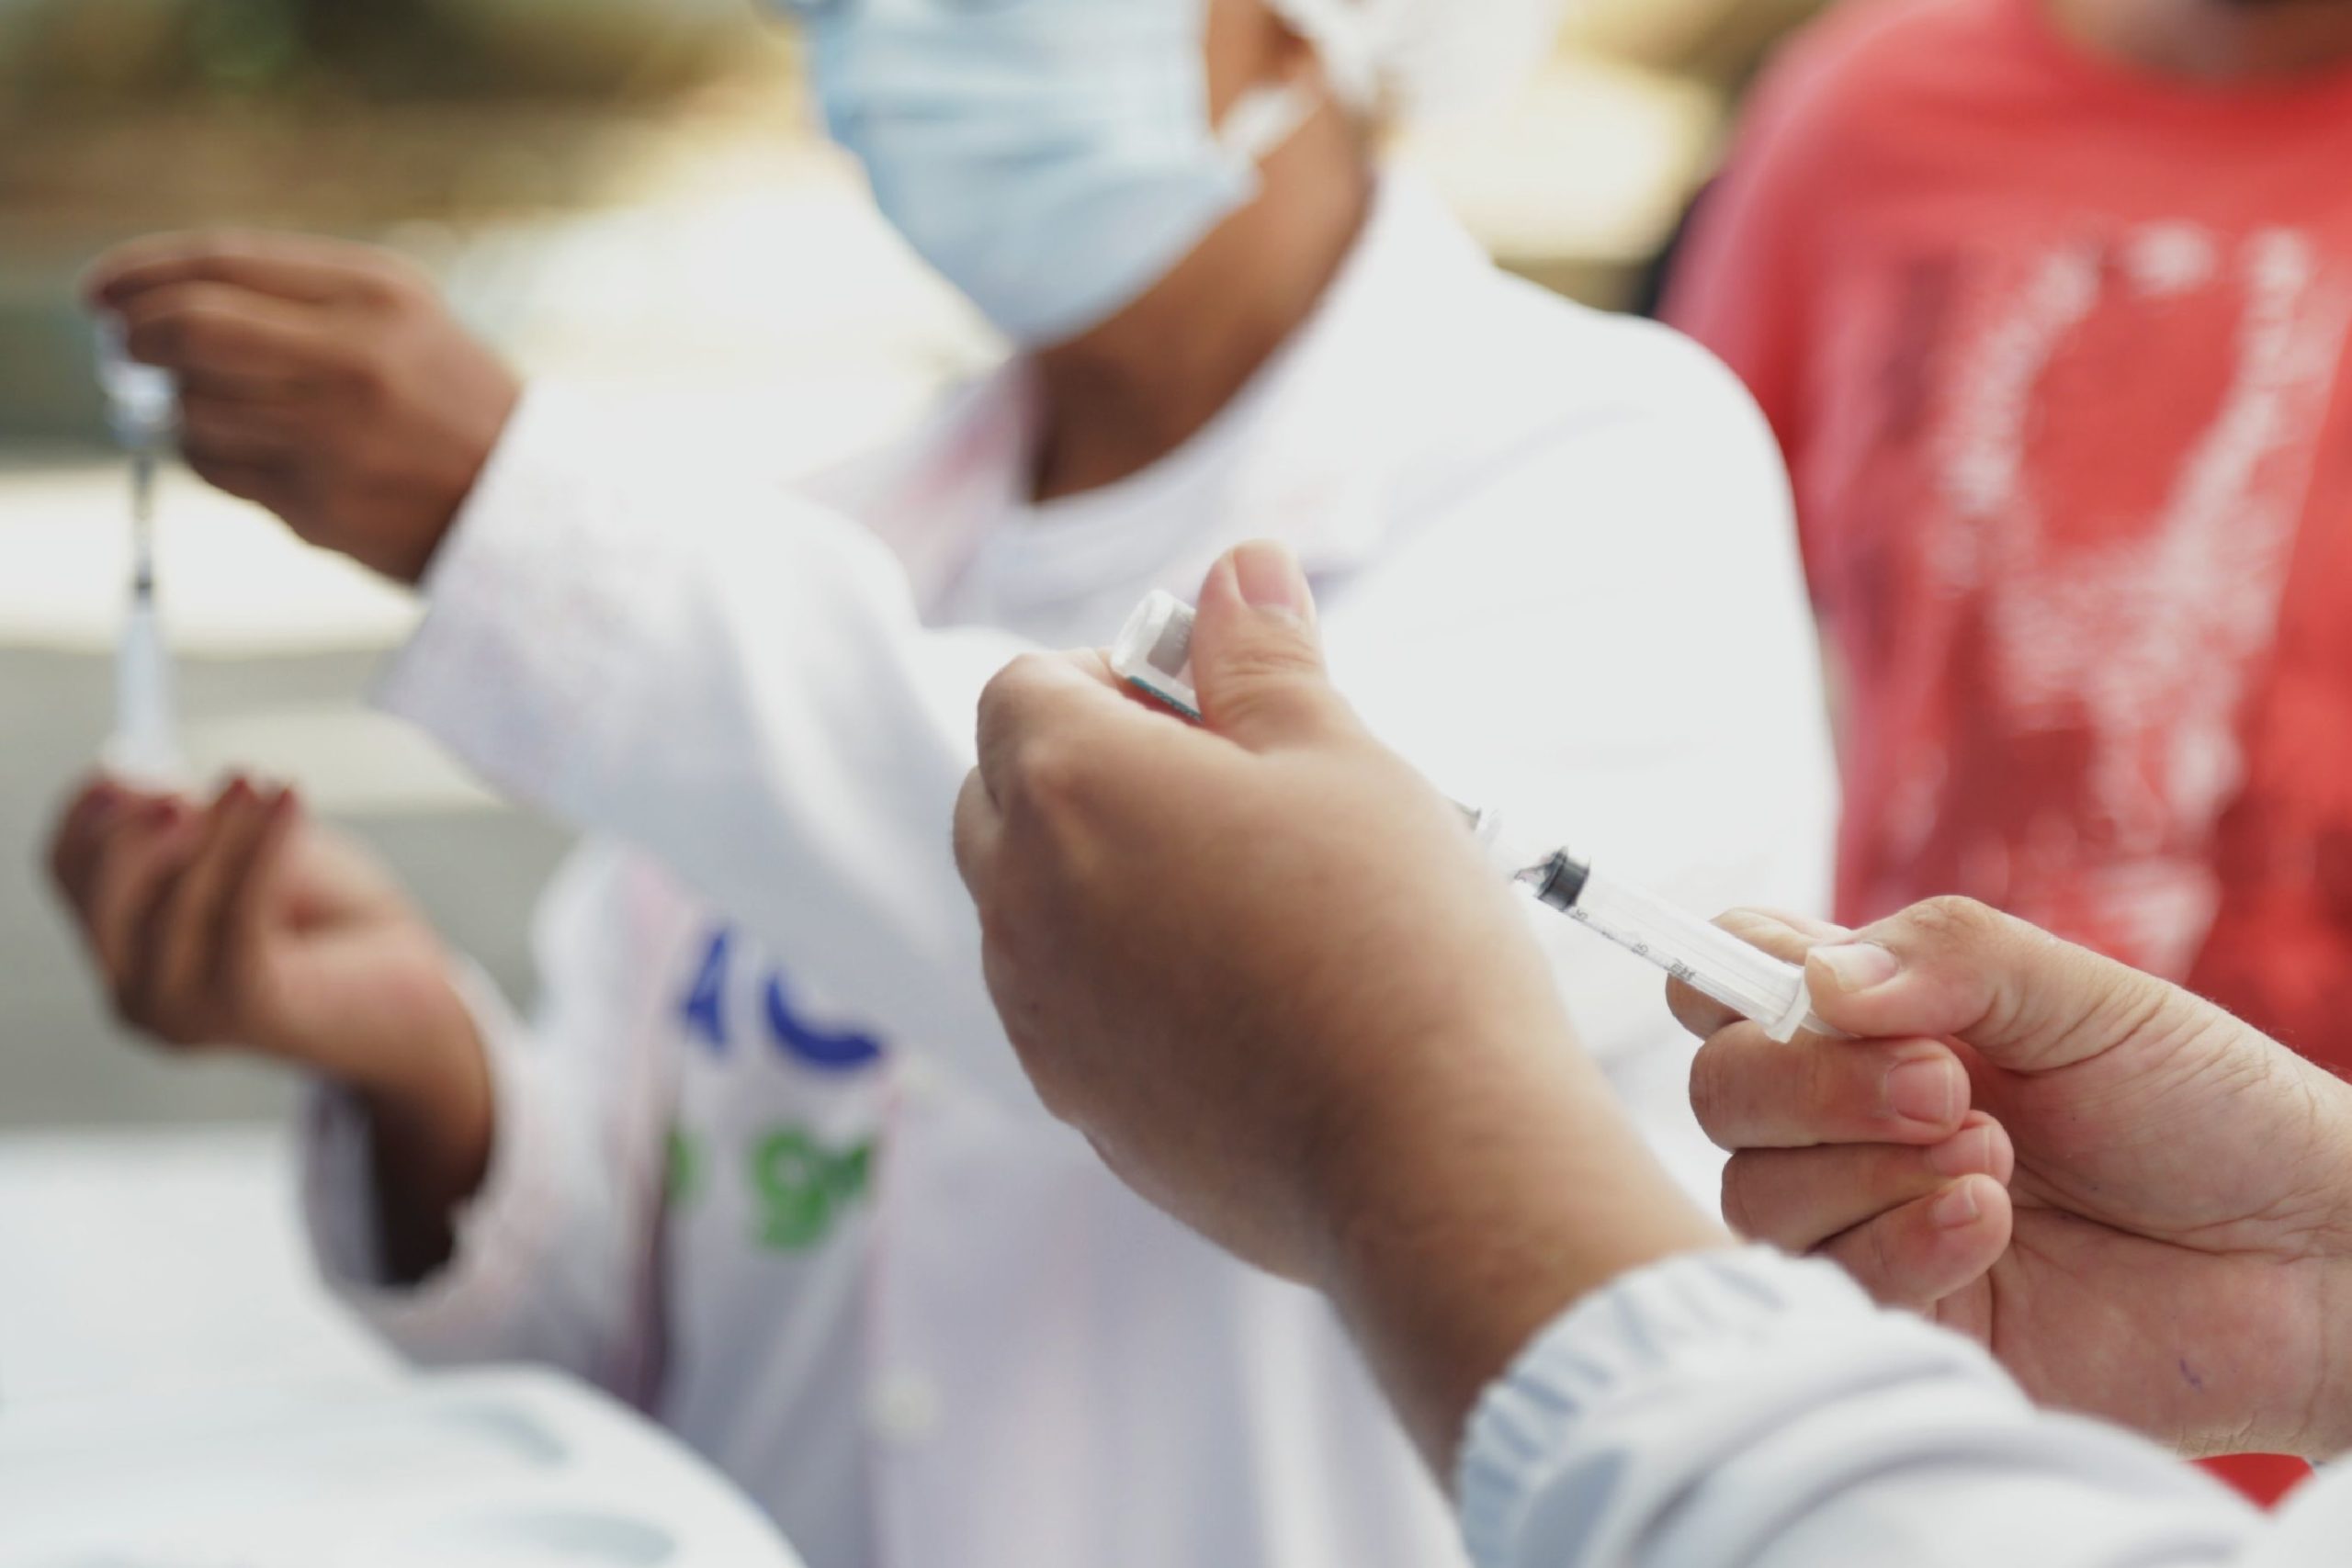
(142,401)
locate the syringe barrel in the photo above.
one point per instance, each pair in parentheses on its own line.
(1154,654)
(1706,957)
(144,748)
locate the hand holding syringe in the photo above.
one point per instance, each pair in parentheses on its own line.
(141,406)
(1154,655)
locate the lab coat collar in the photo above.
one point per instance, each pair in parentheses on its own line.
(1329,425)
(1349,403)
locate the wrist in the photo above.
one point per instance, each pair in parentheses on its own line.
(433,1114)
(421,1064)
(410,541)
(1472,1213)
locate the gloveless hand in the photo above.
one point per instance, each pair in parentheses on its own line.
(1263,967)
(326,381)
(240,924)
(2141,1204)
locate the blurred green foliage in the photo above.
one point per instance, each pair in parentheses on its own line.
(102,54)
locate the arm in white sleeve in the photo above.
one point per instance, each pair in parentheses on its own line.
(1741,1408)
(735,680)
(554,1259)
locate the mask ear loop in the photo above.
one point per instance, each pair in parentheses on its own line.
(1264,118)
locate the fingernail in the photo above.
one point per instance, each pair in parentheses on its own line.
(1269,577)
(1859,966)
(1926,1091)
(1955,1208)
(1966,1153)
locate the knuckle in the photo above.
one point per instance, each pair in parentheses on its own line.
(364,374)
(1954,919)
(1828,1085)
(404,285)
(1707,1089)
(388,280)
(1005,687)
(1255,703)
(1050,777)
(1267,661)
(1877,1260)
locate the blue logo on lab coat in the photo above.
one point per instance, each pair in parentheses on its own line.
(704,1014)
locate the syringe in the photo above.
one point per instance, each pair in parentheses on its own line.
(1153,654)
(140,405)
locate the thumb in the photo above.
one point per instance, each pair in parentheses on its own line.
(1257,657)
(2026,1000)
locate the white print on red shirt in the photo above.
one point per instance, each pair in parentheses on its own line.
(2121,464)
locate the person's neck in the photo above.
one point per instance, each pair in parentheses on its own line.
(1134,389)
(2212,40)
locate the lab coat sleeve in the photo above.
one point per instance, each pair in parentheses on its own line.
(1608,641)
(553,1259)
(736,680)
(1741,1408)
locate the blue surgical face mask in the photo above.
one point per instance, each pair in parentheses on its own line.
(1053,158)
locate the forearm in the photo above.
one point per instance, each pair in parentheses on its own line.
(733,680)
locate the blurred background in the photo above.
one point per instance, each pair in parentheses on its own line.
(625,192)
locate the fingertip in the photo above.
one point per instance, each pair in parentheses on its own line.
(1850,970)
(102,797)
(1917,1255)
(1760,917)
(1958,1206)
(1785,936)
(275,809)
(96,287)
(1980,1147)
(1927,1088)
(1267,576)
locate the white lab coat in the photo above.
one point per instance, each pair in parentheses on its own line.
(779,1176)
(1740,1410)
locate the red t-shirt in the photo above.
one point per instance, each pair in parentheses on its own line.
(2053,348)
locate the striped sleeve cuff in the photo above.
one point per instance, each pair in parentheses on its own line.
(1642,1338)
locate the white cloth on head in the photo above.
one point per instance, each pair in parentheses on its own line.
(1425,56)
